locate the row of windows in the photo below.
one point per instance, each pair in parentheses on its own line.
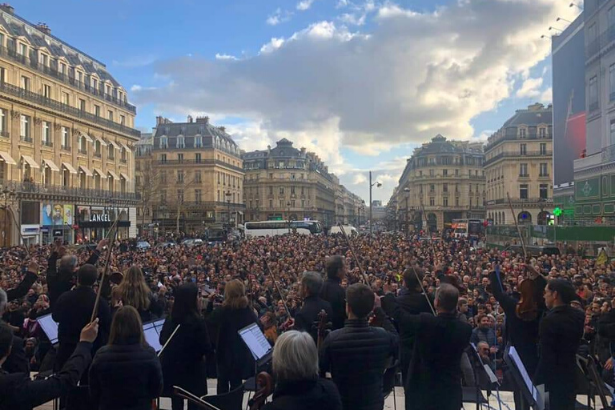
(455,188)
(543,170)
(65,98)
(282,204)
(180,142)
(67,179)
(64,69)
(522,132)
(447,160)
(524,192)
(446,173)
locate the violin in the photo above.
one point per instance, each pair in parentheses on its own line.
(264,388)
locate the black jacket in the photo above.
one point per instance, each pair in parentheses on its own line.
(231,352)
(319,394)
(17,362)
(411,302)
(22,289)
(305,318)
(62,281)
(521,334)
(561,331)
(335,294)
(357,356)
(434,374)
(73,311)
(183,360)
(19,392)
(125,377)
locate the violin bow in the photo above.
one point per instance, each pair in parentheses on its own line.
(275,283)
(354,255)
(107,266)
(517,226)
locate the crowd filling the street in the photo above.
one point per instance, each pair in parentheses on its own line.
(410,310)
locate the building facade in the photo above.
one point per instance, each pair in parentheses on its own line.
(519,163)
(190,177)
(594,172)
(66,137)
(443,180)
(289,183)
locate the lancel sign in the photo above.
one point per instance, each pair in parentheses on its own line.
(100,218)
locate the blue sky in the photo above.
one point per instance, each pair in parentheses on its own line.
(166,53)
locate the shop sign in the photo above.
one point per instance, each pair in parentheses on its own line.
(100,218)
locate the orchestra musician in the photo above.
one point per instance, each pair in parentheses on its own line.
(298,387)
(561,331)
(332,290)
(434,375)
(311,283)
(358,354)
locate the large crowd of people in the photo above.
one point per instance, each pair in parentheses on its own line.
(395,305)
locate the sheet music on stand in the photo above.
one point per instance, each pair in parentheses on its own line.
(151,332)
(535,395)
(256,341)
(50,327)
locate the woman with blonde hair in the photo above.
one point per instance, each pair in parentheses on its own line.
(234,361)
(133,291)
(125,374)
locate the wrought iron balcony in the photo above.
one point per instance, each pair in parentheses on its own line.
(32,188)
(65,108)
(52,72)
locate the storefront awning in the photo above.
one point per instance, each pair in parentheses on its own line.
(51,165)
(115,144)
(7,158)
(87,137)
(100,173)
(86,171)
(69,167)
(113,175)
(30,161)
(124,176)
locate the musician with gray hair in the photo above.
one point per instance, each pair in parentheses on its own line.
(295,366)
(307,318)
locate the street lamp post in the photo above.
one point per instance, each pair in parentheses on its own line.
(407,191)
(371,205)
(288,215)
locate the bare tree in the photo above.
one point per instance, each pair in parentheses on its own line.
(178,200)
(149,188)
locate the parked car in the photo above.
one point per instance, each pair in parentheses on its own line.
(143,245)
(348,229)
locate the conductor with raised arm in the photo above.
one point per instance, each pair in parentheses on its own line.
(434,375)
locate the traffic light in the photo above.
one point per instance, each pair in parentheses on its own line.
(557,211)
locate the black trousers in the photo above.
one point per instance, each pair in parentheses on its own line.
(227,381)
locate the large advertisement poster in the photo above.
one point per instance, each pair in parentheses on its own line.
(47,214)
(68,215)
(569,135)
(57,214)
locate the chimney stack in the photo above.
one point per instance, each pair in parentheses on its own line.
(44,28)
(202,120)
(190,119)
(223,129)
(7,7)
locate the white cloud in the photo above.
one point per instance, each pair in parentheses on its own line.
(359,179)
(547,96)
(353,19)
(304,5)
(225,57)
(279,17)
(530,88)
(409,77)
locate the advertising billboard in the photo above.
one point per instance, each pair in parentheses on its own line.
(569,135)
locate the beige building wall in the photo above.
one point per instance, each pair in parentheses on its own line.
(518,163)
(65,124)
(442,181)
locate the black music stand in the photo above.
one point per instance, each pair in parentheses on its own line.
(595,383)
(482,372)
(523,381)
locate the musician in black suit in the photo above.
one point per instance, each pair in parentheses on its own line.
(434,375)
(413,301)
(311,283)
(333,292)
(73,311)
(561,331)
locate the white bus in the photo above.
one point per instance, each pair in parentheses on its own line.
(271,228)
